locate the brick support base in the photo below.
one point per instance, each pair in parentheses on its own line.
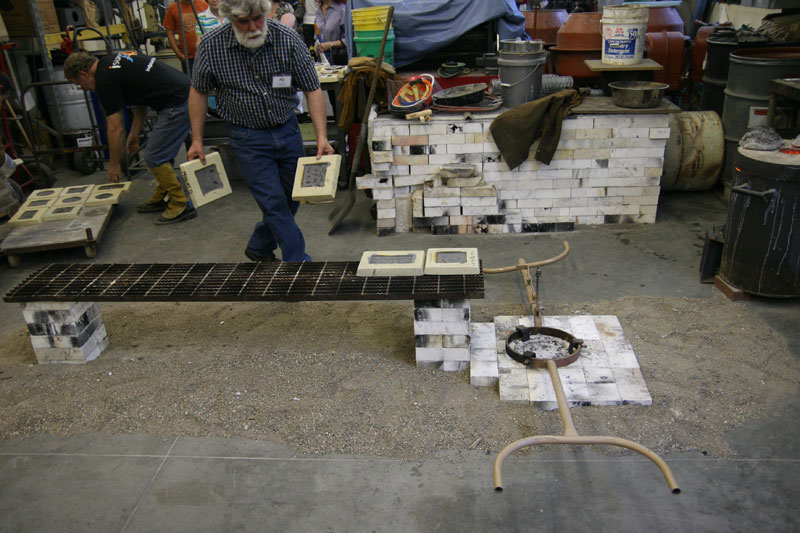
(442,334)
(65,332)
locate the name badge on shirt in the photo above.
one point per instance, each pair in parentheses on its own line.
(281,81)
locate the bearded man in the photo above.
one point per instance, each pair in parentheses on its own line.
(256,65)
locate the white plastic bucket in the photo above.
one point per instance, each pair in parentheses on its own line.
(623,29)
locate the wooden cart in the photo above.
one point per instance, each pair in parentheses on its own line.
(84,230)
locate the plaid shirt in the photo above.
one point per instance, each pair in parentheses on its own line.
(243,77)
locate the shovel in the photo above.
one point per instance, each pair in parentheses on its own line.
(343,208)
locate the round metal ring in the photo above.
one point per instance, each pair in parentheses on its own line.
(528,359)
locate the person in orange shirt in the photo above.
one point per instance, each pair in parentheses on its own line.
(189,23)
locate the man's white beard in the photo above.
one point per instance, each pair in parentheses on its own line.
(251,40)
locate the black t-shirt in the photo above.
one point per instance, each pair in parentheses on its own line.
(129,78)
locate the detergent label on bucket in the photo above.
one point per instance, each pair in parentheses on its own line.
(620,47)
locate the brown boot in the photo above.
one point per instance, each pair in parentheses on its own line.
(176,210)
(155,203)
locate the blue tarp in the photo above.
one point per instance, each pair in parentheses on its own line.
(424,26)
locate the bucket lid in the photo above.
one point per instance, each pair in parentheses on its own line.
(521,46)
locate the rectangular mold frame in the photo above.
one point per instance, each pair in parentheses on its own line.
(40,194)
(73,211)
(17,220)
(123,186)
(70,200)
(196,193)
(77,190)
(327,191)
(36,203)
(434,267)
(415,268)
(113,199)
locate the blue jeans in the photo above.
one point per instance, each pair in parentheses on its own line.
(268,161)
(168,135)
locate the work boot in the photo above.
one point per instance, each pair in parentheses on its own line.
(155,203)
(151,207)
(252,255)
(176,209)
(187,214)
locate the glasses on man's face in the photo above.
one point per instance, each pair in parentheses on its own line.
(255,19)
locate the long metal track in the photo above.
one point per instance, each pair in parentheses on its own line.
(232,282)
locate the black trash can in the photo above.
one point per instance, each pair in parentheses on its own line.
(762,233)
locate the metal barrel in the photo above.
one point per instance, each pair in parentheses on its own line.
(715,76)
(762,235)
(747,92)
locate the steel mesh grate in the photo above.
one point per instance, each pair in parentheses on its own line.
(163,282)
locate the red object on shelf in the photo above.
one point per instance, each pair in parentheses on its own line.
(544,24)
(699,53)
(666,48)
(581,31)
(664,19)
(578,39)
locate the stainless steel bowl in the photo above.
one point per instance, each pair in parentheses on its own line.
(637,93)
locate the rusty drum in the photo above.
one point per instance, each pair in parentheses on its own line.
(694,153)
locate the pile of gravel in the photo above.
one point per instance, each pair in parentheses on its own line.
(340,378)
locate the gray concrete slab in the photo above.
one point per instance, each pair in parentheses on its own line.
(141,483)
(235,484)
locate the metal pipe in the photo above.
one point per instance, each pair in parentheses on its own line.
(518,266)
(578,439)
(530,292)
(561,398)
(571,435)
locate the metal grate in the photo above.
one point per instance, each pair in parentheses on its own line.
(232,282)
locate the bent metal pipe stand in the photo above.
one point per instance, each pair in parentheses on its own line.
(570,435)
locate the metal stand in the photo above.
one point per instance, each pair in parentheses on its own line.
(570,435)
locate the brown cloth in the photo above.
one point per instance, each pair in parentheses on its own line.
(348,96)
(516,130)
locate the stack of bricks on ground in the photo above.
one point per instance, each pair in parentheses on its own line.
(606,169)
(65,332)
(606,373)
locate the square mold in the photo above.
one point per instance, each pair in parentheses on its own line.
(208,182)
(122,186)
(71,200)
(46,193)
(452,261)
(62,212)
(392,263)
(41,202)
(78,190)
(316,179)
(104,197)
(27,215)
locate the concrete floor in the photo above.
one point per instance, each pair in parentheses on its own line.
(142,483)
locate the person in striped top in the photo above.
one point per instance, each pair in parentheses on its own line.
(209,19)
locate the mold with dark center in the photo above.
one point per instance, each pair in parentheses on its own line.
(391,259)
(208,179)
(451,257)
(314,175)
